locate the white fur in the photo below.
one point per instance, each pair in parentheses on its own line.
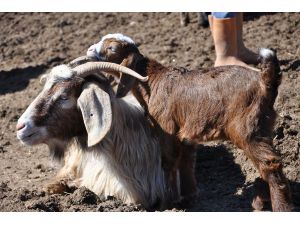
(96,172)
(29,127)
(119,37)
(58,73)
(62,71)
(266,53)
(132,100)
(95,49)
(125,164)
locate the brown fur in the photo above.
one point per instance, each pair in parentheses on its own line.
(47,114)
(192,107)
(125,163)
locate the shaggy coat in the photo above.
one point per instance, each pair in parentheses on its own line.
(126,163)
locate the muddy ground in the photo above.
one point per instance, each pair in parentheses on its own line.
(31,43)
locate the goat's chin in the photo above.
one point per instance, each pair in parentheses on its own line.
(32,138)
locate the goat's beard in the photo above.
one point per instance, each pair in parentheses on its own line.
(57,148)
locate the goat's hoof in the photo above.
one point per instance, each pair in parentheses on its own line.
(56,188)
(258,204)
(187,201)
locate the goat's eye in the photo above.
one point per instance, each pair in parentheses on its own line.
(112,48)
(63,97)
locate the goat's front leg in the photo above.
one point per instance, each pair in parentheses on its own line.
(60,183)
(262,195)
(170,160)
(187,166)
(66,177)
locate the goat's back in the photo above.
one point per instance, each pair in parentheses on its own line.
(202,103)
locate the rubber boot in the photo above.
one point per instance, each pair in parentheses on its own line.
(224,32)
(244,54)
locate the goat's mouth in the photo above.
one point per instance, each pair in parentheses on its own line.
(32,138)
(94,55)
(28,136)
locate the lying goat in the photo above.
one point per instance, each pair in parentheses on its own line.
(192,107)
(106,143)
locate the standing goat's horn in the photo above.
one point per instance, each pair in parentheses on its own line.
(92,67)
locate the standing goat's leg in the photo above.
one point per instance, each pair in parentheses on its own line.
(270,168)
(262,195)
(187,166)
(170,157)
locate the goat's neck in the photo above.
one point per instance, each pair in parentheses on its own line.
(155,71)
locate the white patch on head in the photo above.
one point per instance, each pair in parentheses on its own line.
(119,37)
(58,73)
(62,71)
(95,49)
(266,53)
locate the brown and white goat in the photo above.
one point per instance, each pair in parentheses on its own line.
(192,107)
(106,143)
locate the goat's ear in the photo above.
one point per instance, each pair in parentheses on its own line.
(127,82)
(95,106)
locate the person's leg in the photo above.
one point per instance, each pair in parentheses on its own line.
(224,31)
(244,54)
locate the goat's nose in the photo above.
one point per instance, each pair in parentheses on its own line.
(92,48)
(20,126)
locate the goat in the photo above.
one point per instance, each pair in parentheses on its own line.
(228,103)
(107,143)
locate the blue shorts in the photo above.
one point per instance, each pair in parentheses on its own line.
(223,15)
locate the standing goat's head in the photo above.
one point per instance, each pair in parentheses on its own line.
(118,48)
(69,106)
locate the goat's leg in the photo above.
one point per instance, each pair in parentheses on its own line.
(262,195)
(61,182)
(56,186)
(170,157)
(66,177)
(187,164)
(270,168)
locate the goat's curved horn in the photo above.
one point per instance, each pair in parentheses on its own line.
(81,60)
(92,67)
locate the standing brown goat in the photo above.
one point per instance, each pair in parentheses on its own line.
(192,107)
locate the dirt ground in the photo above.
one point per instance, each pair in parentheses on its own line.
(31,43)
